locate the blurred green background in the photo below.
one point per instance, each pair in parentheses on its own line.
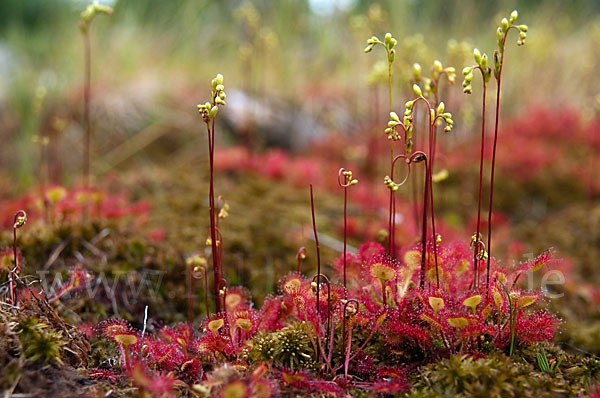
(152,60)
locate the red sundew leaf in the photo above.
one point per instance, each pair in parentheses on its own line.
(535,264)
(112,327)
(293,378)
(78,281)
(155,383)
(393,386)
(536,327)
(102,374)
(370,250)
(165,356)
(270,317)
(259,372)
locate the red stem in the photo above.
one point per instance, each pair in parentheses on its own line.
(13,299)
(475,260)
(424,226)
(345,235)
(390,227)
(206,290)
(190,293)
(429,193)
(430,181)
(348,347)
(499,80)
(86,118)
(211,198)
(312,206)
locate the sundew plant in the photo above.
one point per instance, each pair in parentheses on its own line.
(391,311)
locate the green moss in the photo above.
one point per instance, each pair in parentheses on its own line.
(289,347)
(499,376)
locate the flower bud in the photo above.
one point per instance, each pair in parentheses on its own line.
(523,28)
(504,24)
(440,108)
(417,90)
(368,48)
(497,64)
(388,39)
(477,55)
(487,75)
(513,16)
(213,112)
(484,62)
(394,117)
(437,65)
(417,71)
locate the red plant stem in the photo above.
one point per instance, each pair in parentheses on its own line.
(393,250)
(390,221)
(223,285)
(430,181)
(475,260)
(43,177)
(312,207)
(390,227)
(211,198)
(345,236)
(499,80)
(13,299)
(429,192)
(415,187)
(424,226)
(17,223)
(124,355)
(299,257)
(348,347)
(190,293)
(344,317)
(86,117)
(206,291)
(219,250)
(329,315)
(364,344)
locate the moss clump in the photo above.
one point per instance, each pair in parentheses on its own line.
(290,347)
(498,376)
